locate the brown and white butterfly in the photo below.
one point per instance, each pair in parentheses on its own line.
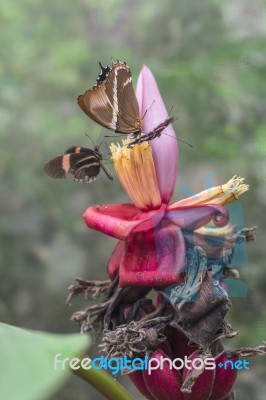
(82,164)
(112,103)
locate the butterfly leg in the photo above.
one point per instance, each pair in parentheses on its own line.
(107,172)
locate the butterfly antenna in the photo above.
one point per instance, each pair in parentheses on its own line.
(171,109)
(182,141)
(153,101)
(100,145)
(90,139)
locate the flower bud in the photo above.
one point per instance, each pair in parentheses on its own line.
(165,383)
(225,377)
(136,377)
(202,387)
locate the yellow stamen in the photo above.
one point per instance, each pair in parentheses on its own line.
(222,194)
(136,172)
(231,191)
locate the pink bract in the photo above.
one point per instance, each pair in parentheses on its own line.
(165,149)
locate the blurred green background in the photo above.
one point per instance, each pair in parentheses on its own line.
(209,59)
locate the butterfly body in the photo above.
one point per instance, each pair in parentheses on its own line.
(156,133)
(81,163)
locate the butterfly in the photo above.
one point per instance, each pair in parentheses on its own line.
(82,164)
(112,103)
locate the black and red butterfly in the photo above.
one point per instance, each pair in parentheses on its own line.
(82,164)
(112,103)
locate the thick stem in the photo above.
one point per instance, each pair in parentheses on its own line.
(103,383)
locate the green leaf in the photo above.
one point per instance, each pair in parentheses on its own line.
(27,369)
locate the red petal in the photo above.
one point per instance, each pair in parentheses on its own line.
(164,384)
(224,378)
(119,220)
(137,378)
(153,258)
(115,259)
(112,219)
(202,388)
(150,219)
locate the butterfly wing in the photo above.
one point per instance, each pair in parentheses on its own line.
(58,167)
(88,152)
(112,102)
(83,164)
(85,167)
